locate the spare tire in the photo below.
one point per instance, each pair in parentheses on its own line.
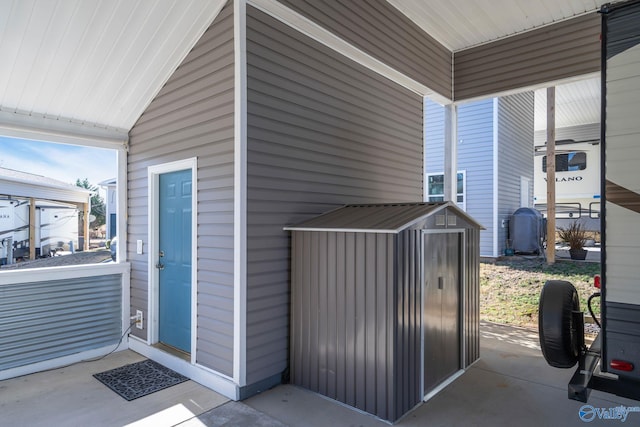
(560,338)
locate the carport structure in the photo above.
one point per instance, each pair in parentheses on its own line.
(251,115)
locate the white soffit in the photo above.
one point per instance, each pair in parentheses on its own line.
(465,23)
(93,63)
(577,103)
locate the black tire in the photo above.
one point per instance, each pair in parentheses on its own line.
(559,337)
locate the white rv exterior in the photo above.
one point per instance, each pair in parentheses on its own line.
(56,228)
(621,278)
(577,181)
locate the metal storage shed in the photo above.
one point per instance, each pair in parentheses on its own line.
(384,303)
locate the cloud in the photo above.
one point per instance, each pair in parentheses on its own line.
(62,162)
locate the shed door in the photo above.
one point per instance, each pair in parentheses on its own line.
(441,316)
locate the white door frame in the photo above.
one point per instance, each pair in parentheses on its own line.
(153,173)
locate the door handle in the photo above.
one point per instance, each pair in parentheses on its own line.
(159,265)
(440,282)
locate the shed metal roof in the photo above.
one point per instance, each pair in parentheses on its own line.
(378,218)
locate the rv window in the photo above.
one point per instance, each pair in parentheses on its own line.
(568,162)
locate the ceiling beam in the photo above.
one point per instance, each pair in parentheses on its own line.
(40,128)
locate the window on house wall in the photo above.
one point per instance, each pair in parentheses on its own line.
(435,188)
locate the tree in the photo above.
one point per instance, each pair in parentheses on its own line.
(97,203)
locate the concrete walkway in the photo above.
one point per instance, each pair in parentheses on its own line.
(511,385)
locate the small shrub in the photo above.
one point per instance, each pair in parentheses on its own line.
(574,235)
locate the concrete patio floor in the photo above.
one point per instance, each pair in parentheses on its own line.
(510,385)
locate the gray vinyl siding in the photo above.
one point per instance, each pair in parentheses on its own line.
(565,49)
(45,320)
(515,157)
(193,116)
(382,31)
(434,122)
(588,132)
(475,157)
(322,132)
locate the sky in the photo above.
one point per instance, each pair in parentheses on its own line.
(61,162)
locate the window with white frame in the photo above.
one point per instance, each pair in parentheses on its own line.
(435,188)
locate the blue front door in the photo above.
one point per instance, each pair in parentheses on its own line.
(175,260)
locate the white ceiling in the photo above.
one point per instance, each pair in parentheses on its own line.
(93,62)
(577,103)
(99,63)
(460,24)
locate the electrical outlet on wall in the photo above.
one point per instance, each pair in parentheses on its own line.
(139,319)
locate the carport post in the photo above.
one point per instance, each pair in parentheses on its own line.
(551,175)
(451,153)
(86,212)
(32,228)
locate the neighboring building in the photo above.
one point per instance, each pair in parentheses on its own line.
(495,162)
(110,206)
(40,204)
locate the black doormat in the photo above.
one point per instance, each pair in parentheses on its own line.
(139,379)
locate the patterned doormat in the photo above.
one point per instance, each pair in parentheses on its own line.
(139,379)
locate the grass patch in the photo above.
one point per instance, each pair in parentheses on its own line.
(510,289)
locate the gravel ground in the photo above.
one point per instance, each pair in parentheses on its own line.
(88,257)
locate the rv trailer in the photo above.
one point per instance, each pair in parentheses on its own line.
(577,182)
(56,228)
(612,362)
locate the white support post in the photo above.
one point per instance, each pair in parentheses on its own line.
(450,153)
(121,204)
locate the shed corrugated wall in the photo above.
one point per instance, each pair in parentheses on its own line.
(408,342)
(45,320)
(382,31)
(566,49)
(193,115)
(355,333)
(471,315)
(322,132)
